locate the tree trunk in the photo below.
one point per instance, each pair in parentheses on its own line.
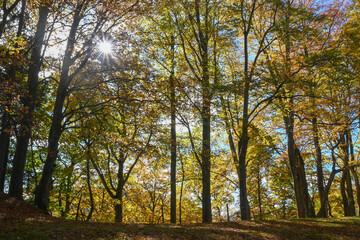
(354,172)
(346,184)
(244,204)
(319,168)
(325,200)
(30,100)
(119,210)
(181,188)
(259,192)
(205,113)
(68,186)
(4,148)
(173,135)
(303,202)
(357,186)
(227,212)
(78,208)
(92,205)
(119,193)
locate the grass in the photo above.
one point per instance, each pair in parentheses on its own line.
(20,220)
(341,228)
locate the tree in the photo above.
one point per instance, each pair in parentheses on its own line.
(255,21)
(195,48)
(9,81)
(67,76)
(29,101)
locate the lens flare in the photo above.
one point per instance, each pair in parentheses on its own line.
(105,47)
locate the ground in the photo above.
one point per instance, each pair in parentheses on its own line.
(20,220)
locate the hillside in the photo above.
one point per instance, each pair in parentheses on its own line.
(20,220)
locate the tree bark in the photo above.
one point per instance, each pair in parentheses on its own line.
(303,202)
(4,148)
(259,191)
(92,205)
(173,134)
(354,172)
(119,192)
(205,113)
(325,200)
(181,189)
(345,183)
(244,139)
(30,100)
(319,167)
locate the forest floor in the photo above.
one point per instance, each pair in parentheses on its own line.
(20,220)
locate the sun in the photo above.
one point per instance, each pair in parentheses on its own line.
(105,47)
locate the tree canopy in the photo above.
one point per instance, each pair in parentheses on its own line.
(181,111)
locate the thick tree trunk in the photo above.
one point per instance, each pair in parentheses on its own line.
(346,184)
(119,210)
(173,135)
(354,172)
(30,100)
(4,149)
(303,202)
(357,186)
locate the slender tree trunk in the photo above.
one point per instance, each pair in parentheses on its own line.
(259,191)
(206,119)
(173,134)
(325,200)
(78,208)
(92,205)
(162,213)
(119,193)
(244,139)
(181,189)
(30,100)
(66,211)
(227,212)
(319,167)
